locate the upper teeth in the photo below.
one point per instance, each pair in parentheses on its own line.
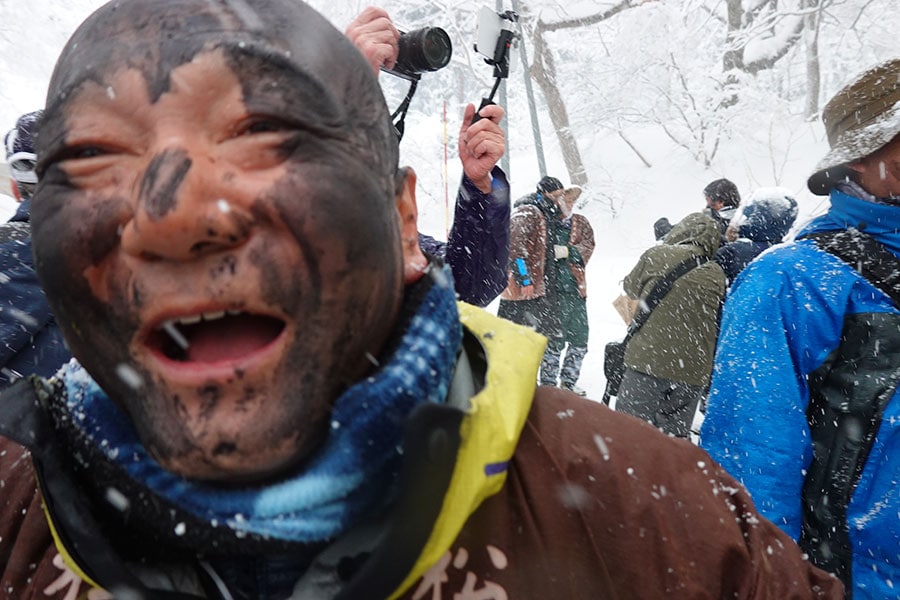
(170,328)
(169,325)
(193,319)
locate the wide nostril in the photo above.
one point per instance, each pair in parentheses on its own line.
(181,212)
(192,229)
(201,248)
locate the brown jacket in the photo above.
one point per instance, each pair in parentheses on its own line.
(589,504)
(601,505)
(528,240)
(597,505)
(582,239)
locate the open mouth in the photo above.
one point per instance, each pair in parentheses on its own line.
(213,337)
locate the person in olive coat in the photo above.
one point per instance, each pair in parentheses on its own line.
(669,360)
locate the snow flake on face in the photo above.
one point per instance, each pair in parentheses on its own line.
(129,376)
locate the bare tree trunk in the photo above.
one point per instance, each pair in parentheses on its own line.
(543,70)
(813,72)
(734,52)
(733,57)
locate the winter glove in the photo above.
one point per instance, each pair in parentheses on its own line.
(560,252)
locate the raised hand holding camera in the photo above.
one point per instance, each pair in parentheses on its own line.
(374,35)
(404,54)
(409,54)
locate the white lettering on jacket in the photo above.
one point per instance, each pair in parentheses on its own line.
(436,578)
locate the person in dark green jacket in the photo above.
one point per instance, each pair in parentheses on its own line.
(669,360)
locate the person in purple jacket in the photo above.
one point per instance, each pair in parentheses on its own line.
(477,248)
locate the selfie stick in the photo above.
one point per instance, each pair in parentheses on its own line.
(500,60)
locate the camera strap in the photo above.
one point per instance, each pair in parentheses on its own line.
(400,123)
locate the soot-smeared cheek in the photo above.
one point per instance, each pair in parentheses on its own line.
(288,290)
(161,181)
(73,233)
(283,288)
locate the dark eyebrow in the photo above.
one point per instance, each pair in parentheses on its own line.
(278,86)
(300,96)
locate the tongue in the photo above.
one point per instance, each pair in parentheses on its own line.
(229,338)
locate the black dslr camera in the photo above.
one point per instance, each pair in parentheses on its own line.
(422,50)
(429,49)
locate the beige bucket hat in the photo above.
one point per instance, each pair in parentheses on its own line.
(859,120)
(572,193)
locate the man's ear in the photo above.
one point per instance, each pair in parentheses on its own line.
(414,262)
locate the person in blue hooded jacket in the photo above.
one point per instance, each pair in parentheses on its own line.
(30,341)
(760,224)
(805,337)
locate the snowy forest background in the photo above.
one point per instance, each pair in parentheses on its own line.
(641,102)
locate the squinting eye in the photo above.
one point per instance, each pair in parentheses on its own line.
(81,152)
(263,125)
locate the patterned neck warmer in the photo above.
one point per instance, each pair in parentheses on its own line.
(350,474)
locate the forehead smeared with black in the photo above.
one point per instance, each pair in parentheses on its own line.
(155,38)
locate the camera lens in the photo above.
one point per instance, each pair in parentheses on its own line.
(426,49)
(436,48)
